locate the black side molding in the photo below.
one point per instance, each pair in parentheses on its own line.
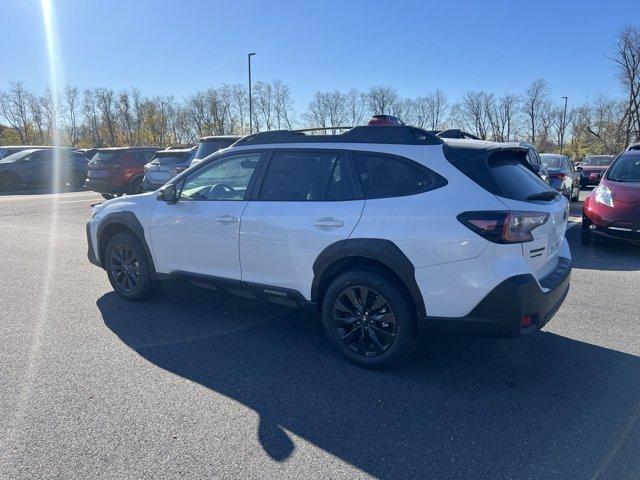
(383,251)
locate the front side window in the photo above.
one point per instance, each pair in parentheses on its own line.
(387,176)
(224,179)
(298,176)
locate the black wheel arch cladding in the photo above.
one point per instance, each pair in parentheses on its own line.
(126,221)
(380,251)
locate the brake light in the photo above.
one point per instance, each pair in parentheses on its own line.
(504,226)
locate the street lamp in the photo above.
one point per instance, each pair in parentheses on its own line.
(250,98)
(564,126)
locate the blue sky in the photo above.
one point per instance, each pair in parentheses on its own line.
(177,47)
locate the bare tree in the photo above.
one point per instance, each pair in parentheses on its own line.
(14,106)
(627,59)
(534,103)
(381,100)
(91,117)
(105,103)
(37,113)
(473,113)
(71,109)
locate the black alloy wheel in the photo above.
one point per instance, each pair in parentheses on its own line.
(125,268)
(364,321)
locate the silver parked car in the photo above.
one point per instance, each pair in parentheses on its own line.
(165,165)
(562,175)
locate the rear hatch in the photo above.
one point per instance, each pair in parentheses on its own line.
(102,162)
(167,164)
(505,173)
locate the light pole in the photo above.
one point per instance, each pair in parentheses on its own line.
(250,98)
(564,119)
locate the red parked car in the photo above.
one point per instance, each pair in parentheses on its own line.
(116,171)
(613,208)
(592,167)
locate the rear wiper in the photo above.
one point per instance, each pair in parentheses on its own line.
(546,195)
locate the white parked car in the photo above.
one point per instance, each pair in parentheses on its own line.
(387,230)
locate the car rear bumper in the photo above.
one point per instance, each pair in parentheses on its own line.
(502,311)
(102,186)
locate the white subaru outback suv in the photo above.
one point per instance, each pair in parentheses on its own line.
(386,230)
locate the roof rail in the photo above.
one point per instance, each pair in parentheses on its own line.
(399,135)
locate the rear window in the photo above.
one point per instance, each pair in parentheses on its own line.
(552,162)
(174,159)
(598,161)
(106,156)
(503,174)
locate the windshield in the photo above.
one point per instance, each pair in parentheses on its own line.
(626,169)
(16,156)
(551,161)
(598,161)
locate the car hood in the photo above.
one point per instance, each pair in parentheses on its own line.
(624,191)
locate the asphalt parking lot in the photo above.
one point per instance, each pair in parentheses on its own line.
(196,385)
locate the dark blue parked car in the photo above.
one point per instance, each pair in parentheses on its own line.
(35,167)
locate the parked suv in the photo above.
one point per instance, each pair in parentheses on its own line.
(165,165)
(36,167)
(209,145)
(116,171)
(369,226)
(6,150)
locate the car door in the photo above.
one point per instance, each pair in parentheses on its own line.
(199,233)
(35,168)
(308,199)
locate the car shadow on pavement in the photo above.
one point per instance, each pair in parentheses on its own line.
(603,254)
(543,406)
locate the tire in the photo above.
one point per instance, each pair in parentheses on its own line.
(9,181)
(135,187)
(359,332)
(586,236)
(108,196)
(128,268)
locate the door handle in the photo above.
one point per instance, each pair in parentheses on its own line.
(328,223)
(226,219)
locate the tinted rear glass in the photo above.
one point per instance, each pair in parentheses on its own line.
(626,169)
(171,159)
(106,156)
(503,174)
(552,161)
(388,176)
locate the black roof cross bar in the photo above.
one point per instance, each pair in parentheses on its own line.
(396,135)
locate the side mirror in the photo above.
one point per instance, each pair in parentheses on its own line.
(168,194)
(578,168)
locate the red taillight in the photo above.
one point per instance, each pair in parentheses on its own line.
(504,226)
(526,321)
(559,176)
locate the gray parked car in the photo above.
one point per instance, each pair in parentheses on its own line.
(533,157)
(562,175)
(165,165)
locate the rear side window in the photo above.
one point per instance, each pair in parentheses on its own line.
(307,176)
(503,174)
(389,176)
